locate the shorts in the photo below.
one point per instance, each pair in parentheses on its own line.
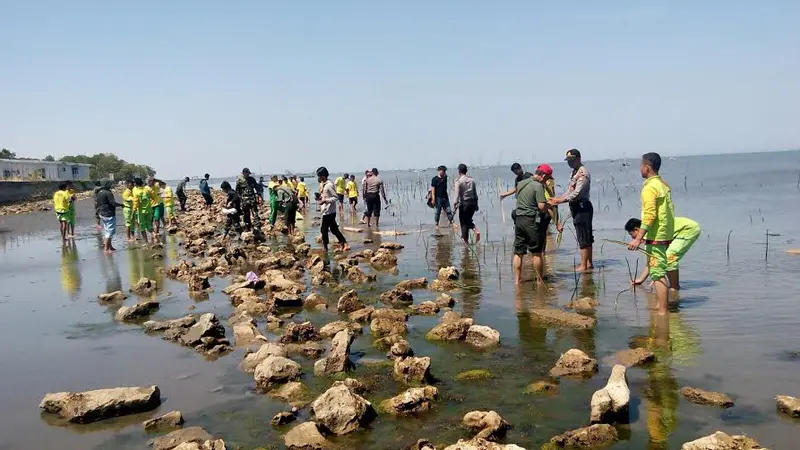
(71,216)
(145,220)
(303,198)
(341,198)
(62,216)
(582,214)
(530,235)
(678,248)
(657,261)
(169,212)
(127,214)
(109,226)
(373,202)
(208,199)
(158,211)
(353,200)
(290,216)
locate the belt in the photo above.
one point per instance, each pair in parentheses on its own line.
(651,242)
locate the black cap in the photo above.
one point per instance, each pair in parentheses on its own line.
(442,168)
(246,170)
(572,154)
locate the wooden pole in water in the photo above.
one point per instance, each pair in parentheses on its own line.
(766,251)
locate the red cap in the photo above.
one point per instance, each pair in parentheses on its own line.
(545,169)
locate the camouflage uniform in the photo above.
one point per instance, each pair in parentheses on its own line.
(246,188)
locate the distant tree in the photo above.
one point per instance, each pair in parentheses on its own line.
(105,164)
(49,158)
(7,154)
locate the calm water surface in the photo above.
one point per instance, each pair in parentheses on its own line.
(733,329)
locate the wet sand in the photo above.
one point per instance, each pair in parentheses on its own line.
(732,331)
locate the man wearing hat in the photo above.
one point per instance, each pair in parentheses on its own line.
(580,206)
(247,188)
(531,221)
(439,198)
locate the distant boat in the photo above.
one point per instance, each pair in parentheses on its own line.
(672,159)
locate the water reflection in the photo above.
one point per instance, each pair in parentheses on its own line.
(661,393)
(110,273)
(70,270)
(473,283)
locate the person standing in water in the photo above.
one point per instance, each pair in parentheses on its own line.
(520,173)
(169,204)
(352,194)
(61,205)
(340,183)
(205,191)
(181,193)
(127,211)
(327,201)
(247,189)
(685,234)
(302,192)
(142,208)
(580,206)
(531,222)
(657,226)
(233,208)
(466,204)
(107,211)
(97,186)
(158,206)
(373,192)
(71,215)
(439,196)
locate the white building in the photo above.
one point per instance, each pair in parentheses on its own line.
(32,170)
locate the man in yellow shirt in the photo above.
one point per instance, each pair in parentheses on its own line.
(61,205)
(352,193)
(302,192)
(71,214)
(127,211)
(169,204)
(142,207)
(157,203)
(339,184)
(657,227)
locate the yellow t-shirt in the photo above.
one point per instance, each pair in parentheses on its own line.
(127,198)
(169,200)
(302,190)
(339,184)
(155,195)
(352,190)
(142,198)
(292,185)
(61,201)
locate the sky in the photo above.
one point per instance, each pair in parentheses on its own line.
(195,86)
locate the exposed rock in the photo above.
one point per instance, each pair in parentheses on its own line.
(341,411)
(412,401)
(426,308)
(349,302)
(206,326)
(286,299)
(383,259)
(354,385)
(306,436)
(198,283)
(390,313)
(707,398)
(595,436)
(254,308)
(315,264)
(310,349)
(356,275)
(444,301)
(172,440)
(414,283)
(450,316)
(489,424)
(183,322)
(635,357)
(172,419)
(283,417)
(293,392)
(245,333)
(413,369)
(481,336)
(574,362)
(400,349)
(450,331)
(116,296)
(276,369)
(448,274)
(322,278)
(92,406)
(392,245)
(299,332)
(216,444)
(386,343)
(557,317)
(282,284)
(274,323)
(338,355)
(541,387)
(610,403)
(386,326)
(397,296)
(474,374)
(481,444)
(330,330)
(245,294)
(137,311)
(362,315)
(722,441)
(443,285)
(145,287)
(788,405)
(208,264)
(258,284)
(585,304)
(313,300)
(252,360)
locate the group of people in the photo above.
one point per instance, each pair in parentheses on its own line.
(466,201)
(666,238)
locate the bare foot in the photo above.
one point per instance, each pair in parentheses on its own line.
(583,269)
(477,236)
(345,248)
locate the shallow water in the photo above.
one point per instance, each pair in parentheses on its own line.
(733,329)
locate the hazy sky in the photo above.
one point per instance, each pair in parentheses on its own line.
(194,86)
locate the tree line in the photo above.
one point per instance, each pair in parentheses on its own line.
(103,165)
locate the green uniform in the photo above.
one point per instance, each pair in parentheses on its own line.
(658,217)
(687,231)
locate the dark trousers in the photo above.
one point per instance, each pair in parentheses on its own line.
(465,212)
(251,208)
(329,224)
(373,202)
(439,204)
(182,200)
(582,215)
(233,221)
